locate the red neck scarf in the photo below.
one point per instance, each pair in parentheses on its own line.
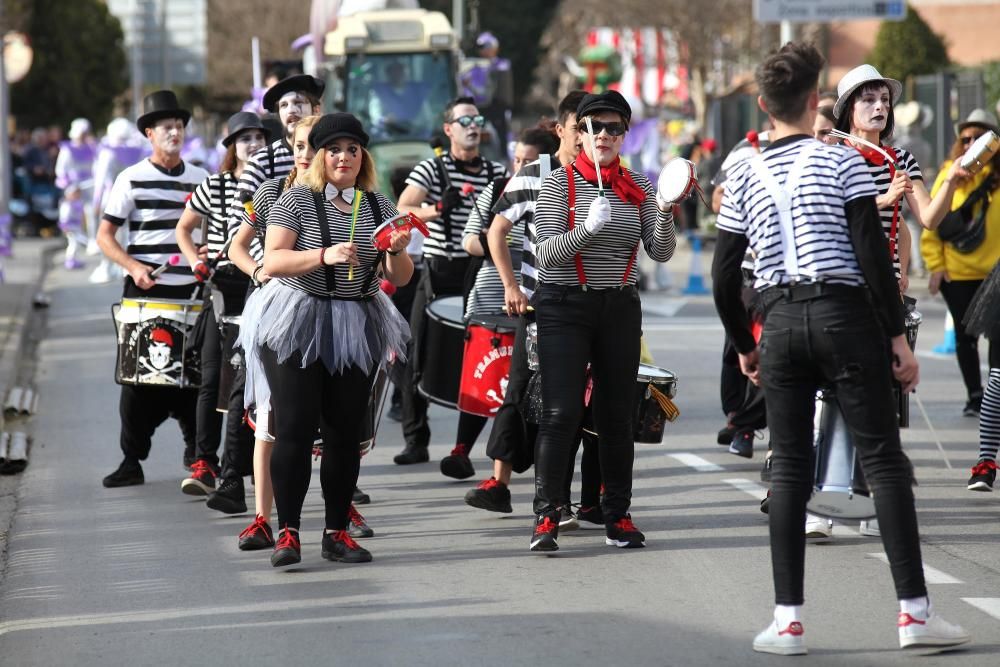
(613,176)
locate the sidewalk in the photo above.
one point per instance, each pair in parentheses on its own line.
(23,278)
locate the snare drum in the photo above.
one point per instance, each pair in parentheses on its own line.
(153,344)
(489,346)
(650,417)
(981,152)
(840,490)
(912,323)
(677,180)
(441,363)
(232,359)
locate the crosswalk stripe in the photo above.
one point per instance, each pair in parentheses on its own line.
(696,462)
(931,575)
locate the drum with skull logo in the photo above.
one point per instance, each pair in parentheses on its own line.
(153,343)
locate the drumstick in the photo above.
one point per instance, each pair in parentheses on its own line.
(593,151)
(865,142)
(173,261)
(354,220)
(920,404)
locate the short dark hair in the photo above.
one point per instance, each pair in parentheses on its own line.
(787,78)
(827,112)
(450,107)
(569,104)
(542,137)
(844,122)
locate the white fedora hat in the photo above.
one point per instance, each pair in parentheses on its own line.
(980,118)
(858,77)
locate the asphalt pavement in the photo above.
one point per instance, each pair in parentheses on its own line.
(148,576)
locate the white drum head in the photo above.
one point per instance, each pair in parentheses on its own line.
(981,151)
(677,179)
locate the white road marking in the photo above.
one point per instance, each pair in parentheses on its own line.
(989,605)
(278,577)
(696,462)
(748,487)
(665,308)
(932,575)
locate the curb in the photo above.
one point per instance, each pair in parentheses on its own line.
(19,340)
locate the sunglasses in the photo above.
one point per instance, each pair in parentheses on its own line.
(466,121)
(614,129)
(968,140)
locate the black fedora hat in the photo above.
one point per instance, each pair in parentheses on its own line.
(244,120)
(303,83)
(159,105)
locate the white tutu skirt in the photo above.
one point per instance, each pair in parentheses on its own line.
(256,393)
(340,333)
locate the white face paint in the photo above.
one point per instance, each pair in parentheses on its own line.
(167,136)
(247,143)
(464,137)
(871,110)
(293,107)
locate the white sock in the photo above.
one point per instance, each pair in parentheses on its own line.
(786,614)
(918,608)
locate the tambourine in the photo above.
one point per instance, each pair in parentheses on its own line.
(401,222)
(980,152)
(677,180)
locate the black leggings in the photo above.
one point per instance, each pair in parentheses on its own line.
(958,295)
(301,400)
(469,428)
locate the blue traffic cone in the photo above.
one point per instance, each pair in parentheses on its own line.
(696,281)
(947,346)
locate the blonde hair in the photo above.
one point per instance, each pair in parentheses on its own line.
(315,178)
(304,124)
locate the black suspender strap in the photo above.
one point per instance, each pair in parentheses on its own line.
(270,160)
(324,232)
(445,185)
(376,220)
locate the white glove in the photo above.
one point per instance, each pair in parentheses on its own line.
(598,214)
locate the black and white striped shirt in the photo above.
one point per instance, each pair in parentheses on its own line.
(880,173)
(269,162)
(296,210)
(446,240)
(212,200)
(607,254)
(517,204)
(265,197)
(487,294)
(834,175)
(151,199)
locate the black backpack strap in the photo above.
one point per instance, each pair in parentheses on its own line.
(377,219)
(445,180)
(324,232)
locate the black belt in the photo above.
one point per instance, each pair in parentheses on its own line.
(811,291)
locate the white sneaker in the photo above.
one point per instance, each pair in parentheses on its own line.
(789,641)
(92,248)
(933,631)
(869,528)
(818,528)
(100,274)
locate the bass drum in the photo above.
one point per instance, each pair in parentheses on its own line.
(489,346)
(441,364)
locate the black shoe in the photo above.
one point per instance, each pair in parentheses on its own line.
(257,535)
(457,464)
(339,546)
(765,472)
(726,434)
(229,498)
(491,496)
(546,532)
(201,482)
(395,412)
(765,503)
(129,473)
(411,454)
(624,535)
(742,444)
(359,527)
(984,474)
(189,459)
(590,518)
(973,406)
(287,550)
(360,497)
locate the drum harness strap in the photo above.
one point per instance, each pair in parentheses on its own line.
(442,170)
(324,230)
(580,273)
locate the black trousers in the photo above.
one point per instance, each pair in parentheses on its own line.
(602,328)
(742,401)
(143,408)
(958,295)
(512,439)
(834,341)
(303,399)
(237,458)
(439,278)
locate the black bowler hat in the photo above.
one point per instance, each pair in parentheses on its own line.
(336,126)
(159,105)
(300,83)
(244,120)
(610,100)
